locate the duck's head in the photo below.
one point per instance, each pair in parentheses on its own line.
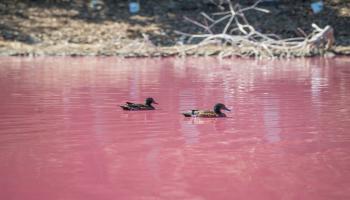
(149,101)
(218,107)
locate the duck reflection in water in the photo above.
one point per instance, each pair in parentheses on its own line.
(218,125)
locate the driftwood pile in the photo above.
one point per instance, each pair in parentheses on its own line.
(238,37)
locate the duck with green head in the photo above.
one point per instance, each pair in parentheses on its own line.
(217,112)
(134,106)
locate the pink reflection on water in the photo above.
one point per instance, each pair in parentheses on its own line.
(63,135)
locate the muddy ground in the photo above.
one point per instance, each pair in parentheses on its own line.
(67,27)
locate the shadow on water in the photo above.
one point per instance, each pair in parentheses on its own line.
(168,14)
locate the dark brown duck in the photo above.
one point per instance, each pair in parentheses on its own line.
(134,106)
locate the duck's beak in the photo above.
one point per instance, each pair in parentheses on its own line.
(227,109)
(155,102)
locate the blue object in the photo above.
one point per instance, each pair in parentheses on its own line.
(134,7)
(317,7)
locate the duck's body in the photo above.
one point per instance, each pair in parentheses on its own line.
(208,113)
(203,113)
(135,106)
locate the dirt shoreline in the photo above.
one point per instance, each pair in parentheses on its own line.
(66,29)
(16,49)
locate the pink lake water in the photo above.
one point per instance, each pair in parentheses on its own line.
(63,136)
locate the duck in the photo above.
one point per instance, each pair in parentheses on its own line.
(208,113)
(134,106)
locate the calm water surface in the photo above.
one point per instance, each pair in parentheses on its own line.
(63,136)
